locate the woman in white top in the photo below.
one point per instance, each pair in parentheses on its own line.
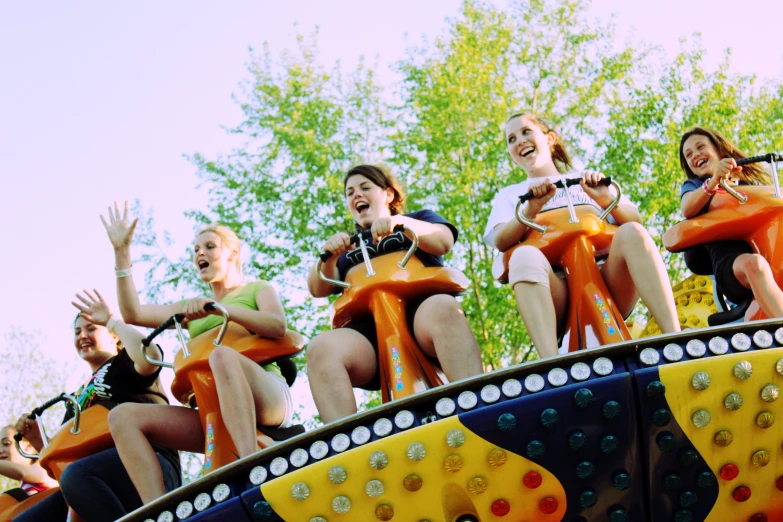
(633,268)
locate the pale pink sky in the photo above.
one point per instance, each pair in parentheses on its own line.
(100,100)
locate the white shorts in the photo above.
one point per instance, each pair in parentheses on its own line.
(289,403)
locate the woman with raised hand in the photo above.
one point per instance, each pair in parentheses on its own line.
(633,267)
(97,487)
(339,359)
(249,394)
(706,157)
(32,477)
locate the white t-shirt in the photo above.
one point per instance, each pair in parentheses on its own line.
(505,202)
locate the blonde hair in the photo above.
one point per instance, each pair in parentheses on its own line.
(560,156)
(230,241)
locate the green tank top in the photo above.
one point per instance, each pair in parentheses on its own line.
(244,297)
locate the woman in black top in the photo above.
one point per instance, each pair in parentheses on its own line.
(338,360)
(97,487)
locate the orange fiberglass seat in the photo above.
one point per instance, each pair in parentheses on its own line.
(382,290)
(569,238)
(194,382)
(750,213)
(85,434)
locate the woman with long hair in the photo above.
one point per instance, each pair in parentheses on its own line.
(706,157)
(31,476)
(249,394)
(632,267)
(339,359)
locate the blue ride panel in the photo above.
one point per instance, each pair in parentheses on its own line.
(232,510)
(257,507)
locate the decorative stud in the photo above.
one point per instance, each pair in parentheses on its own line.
(585,470)
(261,509)
(379,460)
(507,422)
(672,482)
(603,366)
(548,505)
(729,472)
(496,458)
(202,501)
(622,481)
(549,418)
(588,498)
(512,388)
(705,479)
(412,482)
(318,519)
(374,488)
(383,427)
(500,507)
(299,457)
(455,438)
(384,512)
(609,443)
(535,449)
(477,485)
(416,451)
(723,438)
(300,491)
(577,440)
(258,475)
(779,364)
(341,442)
(337,474)
(532,479)
(760,458)
(661,417)
(452,463)
(762,339)
(221,492)
(758,517)
(666,442)
(184,510)
(683,515)
(700,381)
(701,418)
(618,515)
(557,377)
(672,352)
(166,516)
(741,494)
(361,435)
(403,419)
(743,370)
(445,407)
(467,400)
(740,342)
(733,401)
(490,394)
(611,410)
(770,393)
(278,466)
(319,449)
(649,357)
(765,419)
(534,383)
(583,397)
(656,390)
(687,457)
(779,483)
(779,335)
(718,345)
(580,371)
(696,348)
(341,504)
(688,499)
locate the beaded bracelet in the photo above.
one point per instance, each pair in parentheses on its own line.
(708,190)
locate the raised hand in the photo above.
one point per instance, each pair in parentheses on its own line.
(118,229)
(93,309)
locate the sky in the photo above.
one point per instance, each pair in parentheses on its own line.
(102,101)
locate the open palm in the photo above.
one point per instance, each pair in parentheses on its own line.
(93,308)
(119,230)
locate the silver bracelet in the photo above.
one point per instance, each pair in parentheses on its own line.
(123,272)
(111,323)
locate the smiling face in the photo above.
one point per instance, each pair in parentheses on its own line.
(8,451)
(366,200)
(95,344)
(528,145)
(701,155)
(213,257)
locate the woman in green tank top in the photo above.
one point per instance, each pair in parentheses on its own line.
(259,396)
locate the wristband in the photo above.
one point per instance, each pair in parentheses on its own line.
(111,323)
(123,272)
(708,190)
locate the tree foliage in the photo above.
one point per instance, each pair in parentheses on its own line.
(621,109)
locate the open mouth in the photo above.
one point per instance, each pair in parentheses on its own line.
(86,347)
(361,207)
(202,264)
(701,163)
(527,152)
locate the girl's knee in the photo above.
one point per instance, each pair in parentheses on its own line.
(441,308)
(633,232)
(320,351)
(124,416)
(528,265)
(752,265)
(220,357)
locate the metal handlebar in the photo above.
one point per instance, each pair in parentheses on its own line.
(742,198)
(219,339)
(77,413)
(325,256)
(770,158)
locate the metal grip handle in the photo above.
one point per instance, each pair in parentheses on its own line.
(769,157)
(45,406)
(165,325)
(32,456)
(606,181)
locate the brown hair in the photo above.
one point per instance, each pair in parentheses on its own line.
(559,154)
(119,341)
(752,173)
(383,178)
